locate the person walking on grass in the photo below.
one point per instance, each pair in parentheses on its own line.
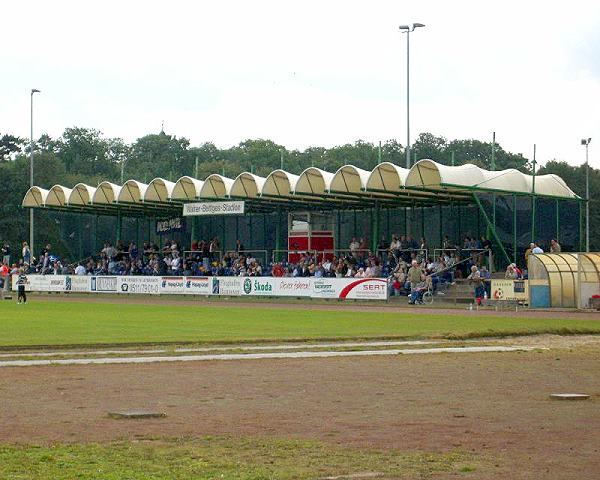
(21,282)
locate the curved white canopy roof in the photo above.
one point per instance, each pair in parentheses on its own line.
(106,193)
(280,183)
(35,197)
(432,175)
(159,190)
(58,196)
(187,188)
(387,177)
(132,191)
(247,185)
(313,181)
(216,186)
(349,179)
(82,194)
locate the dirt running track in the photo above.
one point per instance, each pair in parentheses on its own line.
(495,405)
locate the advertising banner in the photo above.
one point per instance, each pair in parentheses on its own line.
(197,285)
(103,284)
(510,289)
(170,225)
(350,288)
(341,288)
(77,283)
(226,285)
(172,285)
(141,285)
(213,208)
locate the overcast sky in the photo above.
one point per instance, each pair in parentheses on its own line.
(308,73)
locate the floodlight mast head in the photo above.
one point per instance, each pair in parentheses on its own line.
(586,141)
(404,27)
(417,25)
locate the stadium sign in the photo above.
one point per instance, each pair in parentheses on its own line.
(175,224)
(213,208)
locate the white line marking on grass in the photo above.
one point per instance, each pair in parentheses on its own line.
(59,353)
(257,356)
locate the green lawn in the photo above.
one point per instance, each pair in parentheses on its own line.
(66,323)
(219,458)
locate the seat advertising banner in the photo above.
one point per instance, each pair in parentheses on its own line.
(139,285)
(197,285)
(172,285)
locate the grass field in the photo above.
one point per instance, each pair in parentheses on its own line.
(66,323)
(217,458)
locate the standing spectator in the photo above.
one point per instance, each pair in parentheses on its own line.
(80,269)
(6,253)
(354,246)
(239,247)
(26,253)
(555,246)
(535,248)
(21,282)
(476,280)
(414,276)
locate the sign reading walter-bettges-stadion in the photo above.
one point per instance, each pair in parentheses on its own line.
(213,208)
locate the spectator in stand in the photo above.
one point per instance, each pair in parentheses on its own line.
(412,243)
(354,246)
(535,248)
(80,270)
(394,249)
(476,280)
(239,247)
(363,247)
(511,272)
(26,254)
(4,272)
(382,246)
(6,253)
(194,246)
(555,246)
(277,270)
(133,250)
(415,276)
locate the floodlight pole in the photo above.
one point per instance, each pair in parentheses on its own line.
(586,142)
(31,248)
(408,29)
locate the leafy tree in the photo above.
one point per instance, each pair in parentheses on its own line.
(10,145)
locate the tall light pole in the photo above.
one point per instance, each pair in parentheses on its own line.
(586,142)
(33,90)
(408,29)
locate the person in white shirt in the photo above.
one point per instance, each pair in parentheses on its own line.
(80,269)
(535,248)
(354,246)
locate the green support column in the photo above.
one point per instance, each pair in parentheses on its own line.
(458,227)
(493,230)
(581,227)
(514,228)
(533,217)
(80,234)
(137,232)
(422,222)
(237,228)
(119,225)
(388,234)
(440,216)
(557,220)
(375,239)
(354,231)
(405,220)
(149,230)
(494,210)
(223,235)
(95,237)
(278,233)
(194,232)
(338,233)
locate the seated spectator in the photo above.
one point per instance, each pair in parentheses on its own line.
(80,270)
(555,246)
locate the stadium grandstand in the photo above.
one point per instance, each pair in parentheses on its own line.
(351,212)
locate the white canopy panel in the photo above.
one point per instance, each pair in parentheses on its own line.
(247,185)
(187,188)
(216,186)
(159,190)
(280,183)
(350,179)
(132,192)
(106,193)
(35,197)
(313,181)
(82,194)
(58,196)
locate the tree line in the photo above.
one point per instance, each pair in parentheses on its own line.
(86,155)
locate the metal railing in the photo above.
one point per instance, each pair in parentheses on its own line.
(470,253)
(277,254)
(237,253)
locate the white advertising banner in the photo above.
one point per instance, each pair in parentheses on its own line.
(341,288)
(102,284)
(227,286)
(350,288)
(77,283)
(141,285)
(197,285)
(172,285)
(213,208)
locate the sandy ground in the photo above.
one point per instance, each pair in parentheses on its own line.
(494,405)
